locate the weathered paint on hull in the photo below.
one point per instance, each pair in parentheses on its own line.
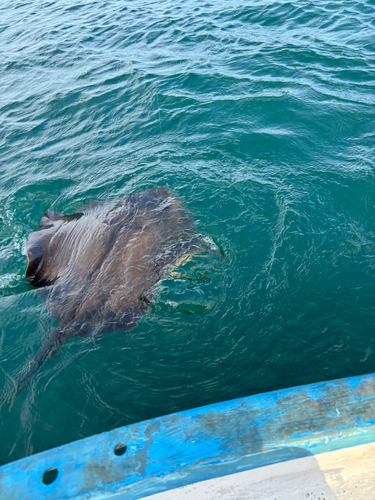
(343,474)
(224,439)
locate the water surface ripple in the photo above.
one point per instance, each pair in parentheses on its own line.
(260,116)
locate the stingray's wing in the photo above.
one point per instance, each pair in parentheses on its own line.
(37,243)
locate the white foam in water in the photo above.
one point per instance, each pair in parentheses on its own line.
(10,280)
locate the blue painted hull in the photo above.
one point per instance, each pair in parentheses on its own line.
(202,443)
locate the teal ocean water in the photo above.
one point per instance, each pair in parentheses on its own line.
(260,116)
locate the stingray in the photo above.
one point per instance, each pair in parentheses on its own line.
(96,268)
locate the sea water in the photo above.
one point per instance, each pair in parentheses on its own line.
(260,116)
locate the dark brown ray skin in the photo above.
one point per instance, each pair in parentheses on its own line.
(99,264)
(96,268)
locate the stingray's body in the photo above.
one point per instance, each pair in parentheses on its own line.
(96,268)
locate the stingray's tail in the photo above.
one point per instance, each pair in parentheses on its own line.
(17,384)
